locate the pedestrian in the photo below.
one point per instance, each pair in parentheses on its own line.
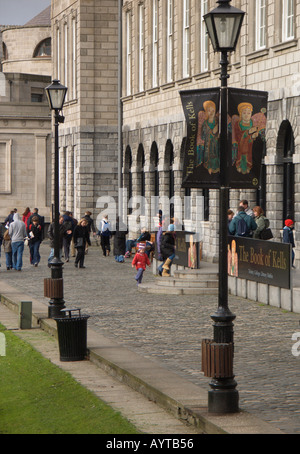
(35,212)
(35,238)
(17,233)
(10,218)
(261,221)
(26,215)
(247,209)
(74,222)
(230,215)
(81,238)
(168,251)
(70,225)
(242,224)
(159,235)
(119,241)
(8,250)
(288,236)
(144,236)
(105,234)
(90,226)
(63,231)
(140,261)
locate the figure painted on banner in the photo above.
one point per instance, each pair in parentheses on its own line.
(192,254)
(208,152)
(232,260)
(246,128)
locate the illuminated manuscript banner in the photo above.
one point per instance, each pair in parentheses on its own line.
(246,137)
(262,261)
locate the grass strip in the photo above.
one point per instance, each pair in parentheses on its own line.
(37,397)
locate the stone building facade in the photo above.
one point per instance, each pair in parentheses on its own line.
(165,50)
(85,59)
(25,120)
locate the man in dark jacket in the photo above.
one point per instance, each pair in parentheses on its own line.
(242,224)
(64,229)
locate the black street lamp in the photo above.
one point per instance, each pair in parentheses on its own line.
(56,94)
(223,26)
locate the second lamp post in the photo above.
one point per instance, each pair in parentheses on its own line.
(56,94)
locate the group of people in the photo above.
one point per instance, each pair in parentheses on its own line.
(75,236)
(252,223)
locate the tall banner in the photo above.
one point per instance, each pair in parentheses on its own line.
(247,121)
(201,168)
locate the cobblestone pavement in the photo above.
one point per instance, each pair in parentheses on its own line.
(169,329)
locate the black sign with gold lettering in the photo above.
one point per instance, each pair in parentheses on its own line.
(267,262)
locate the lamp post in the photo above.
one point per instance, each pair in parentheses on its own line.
(223,26)
(56,94)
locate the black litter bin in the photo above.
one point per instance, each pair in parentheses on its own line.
(72,335)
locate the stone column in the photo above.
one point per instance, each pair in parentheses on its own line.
(41,172)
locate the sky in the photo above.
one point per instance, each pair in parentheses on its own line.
(18,12)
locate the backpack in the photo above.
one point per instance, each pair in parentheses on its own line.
(105,229)
(242,228)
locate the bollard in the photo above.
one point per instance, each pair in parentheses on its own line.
(25,314)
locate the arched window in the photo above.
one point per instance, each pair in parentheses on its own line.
(43,49)
(286,148)
(154,164)
(127,171)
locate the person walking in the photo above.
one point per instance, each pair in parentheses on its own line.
(168,251)
(242,224)
(8,250)
(63,230)
(81,238)
(90,226)
(105,234)
(26,215)
(17,233)
(288,236)
(67,238)
(35,238)
(140,261)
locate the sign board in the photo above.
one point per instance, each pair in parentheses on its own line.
(187,251)
(246,119)
(262,261)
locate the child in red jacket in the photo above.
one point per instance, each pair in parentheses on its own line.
(140,261)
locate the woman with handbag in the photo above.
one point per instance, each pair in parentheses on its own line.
(81,238)
(263,231)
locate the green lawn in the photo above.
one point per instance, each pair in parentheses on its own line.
(37,397)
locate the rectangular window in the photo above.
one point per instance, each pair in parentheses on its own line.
(204,37)
(74,80)
(186,39)
(154,43)
(58,54)
(288,20)
(66,56)
(170,41)
(128,53)
(141,48)
(260,38)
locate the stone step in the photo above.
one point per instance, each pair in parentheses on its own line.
(196,275)
(168,290)
(186,283)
